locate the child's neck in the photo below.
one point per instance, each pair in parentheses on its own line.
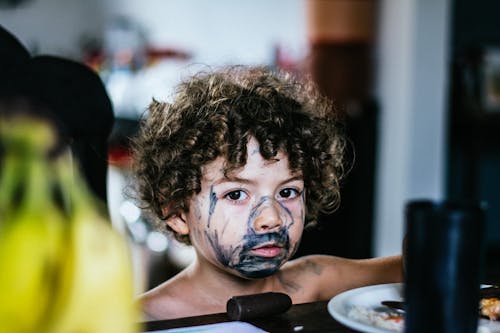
(217,283)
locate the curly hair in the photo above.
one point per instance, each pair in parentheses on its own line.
(214,114)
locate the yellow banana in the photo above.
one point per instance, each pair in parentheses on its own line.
(9,181)
(21,138)
(28,262)
(96,294)
(61,270)
(31,233)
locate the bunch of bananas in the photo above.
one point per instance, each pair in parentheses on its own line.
(63,268)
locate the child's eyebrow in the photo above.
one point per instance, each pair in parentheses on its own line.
(236,179)
(232,179)
(292,179)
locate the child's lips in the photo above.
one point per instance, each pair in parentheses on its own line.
(267,250)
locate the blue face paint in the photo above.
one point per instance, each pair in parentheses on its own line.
(258,209)
(222,255)
(240,256)
(253,266)
(213,201)
(247,264)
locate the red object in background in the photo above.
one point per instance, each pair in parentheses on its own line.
(155,54)
(96,59)
(120,157)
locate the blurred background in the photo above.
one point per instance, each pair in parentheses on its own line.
(418,82)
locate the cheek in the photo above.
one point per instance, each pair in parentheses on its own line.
(197,220)
(225,227)
(295,235)
(229,223)
(297,211)
(297,227)
(196,215)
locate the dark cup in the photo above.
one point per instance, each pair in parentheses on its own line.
(248,307)
(443,250)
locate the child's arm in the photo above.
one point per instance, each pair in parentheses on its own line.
(340,274)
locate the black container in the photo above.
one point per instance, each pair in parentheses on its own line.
(257,305)
(443,257)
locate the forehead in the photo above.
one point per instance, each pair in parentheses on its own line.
(255,165)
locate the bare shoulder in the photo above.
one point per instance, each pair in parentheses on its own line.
(326,276)
(299,278)
(170,299)
(158,303)
(316,268)
(311,266)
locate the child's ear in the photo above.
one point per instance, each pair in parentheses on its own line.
(178,223)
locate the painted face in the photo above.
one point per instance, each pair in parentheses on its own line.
(250,222)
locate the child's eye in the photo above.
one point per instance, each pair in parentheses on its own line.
(288,193)
(237,195)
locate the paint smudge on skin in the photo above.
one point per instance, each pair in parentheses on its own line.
(226,222)
(197,209)
(242,259)
(302,212)
(213,201)
(258,209)
(295,247)
(254,266)
(289,285)
(240,256)
(314,267)
(222,256)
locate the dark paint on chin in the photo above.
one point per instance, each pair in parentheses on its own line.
(259,274)
(248,264)
(254,266)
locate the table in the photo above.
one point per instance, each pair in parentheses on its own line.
(312,317)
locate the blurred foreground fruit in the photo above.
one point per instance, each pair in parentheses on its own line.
(31,229)
(63,268)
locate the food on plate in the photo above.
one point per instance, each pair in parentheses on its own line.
(382,319)
(389,316)
(490,307)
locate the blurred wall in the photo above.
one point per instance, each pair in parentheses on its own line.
(216,31)
(341,40)
(412,64)
(220,31)
(54,26)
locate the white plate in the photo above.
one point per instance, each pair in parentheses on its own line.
(370,298)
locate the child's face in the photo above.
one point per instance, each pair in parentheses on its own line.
(250,223)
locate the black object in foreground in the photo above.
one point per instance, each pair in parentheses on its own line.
(398,306)
(257,305)
(444,241)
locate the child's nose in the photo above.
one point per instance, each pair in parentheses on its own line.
(269,218)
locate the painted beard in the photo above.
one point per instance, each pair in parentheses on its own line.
(245,261)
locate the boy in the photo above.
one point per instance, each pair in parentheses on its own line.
(236,166)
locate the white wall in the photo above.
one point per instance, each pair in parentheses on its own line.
(53,26)
(215,31)
(220,30)
(412,90)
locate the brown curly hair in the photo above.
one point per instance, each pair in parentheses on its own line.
(214,114)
